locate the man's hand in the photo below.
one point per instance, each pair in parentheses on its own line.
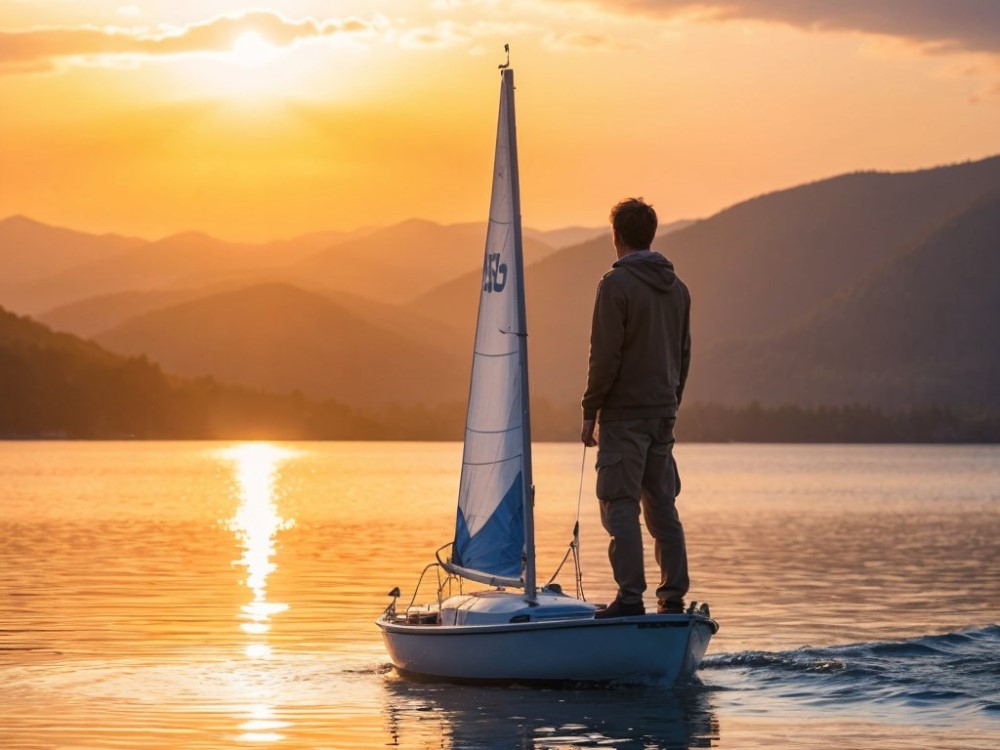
(587,432)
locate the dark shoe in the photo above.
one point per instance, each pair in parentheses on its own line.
(670,607)
(617,609)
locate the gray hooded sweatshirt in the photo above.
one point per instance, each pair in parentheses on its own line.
(640,341)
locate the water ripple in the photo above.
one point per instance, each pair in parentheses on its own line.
(930,679)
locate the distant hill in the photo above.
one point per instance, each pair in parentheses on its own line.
(282,339)
(31,250)
(398,263)
(759,266)
(153,265)
(43,267)
(572,236)
(95,315)
(280,252)
(390,265)
(55,385)
(322,273)
(920,330)
(566,237)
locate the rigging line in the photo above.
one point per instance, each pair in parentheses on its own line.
(574,545)
(576,529)
(491,463)
(503,354)
(559,569)
(493,432)
(579,497)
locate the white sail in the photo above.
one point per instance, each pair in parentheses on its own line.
(493,535)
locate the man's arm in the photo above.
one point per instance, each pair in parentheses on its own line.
(607,334)
(685,346)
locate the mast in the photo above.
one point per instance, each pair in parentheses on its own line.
(494,527)
(530,587)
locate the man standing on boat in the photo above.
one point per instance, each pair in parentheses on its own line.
(640,349)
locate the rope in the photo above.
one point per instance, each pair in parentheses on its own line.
(574,546)
(576,529)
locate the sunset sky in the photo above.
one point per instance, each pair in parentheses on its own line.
(254,121)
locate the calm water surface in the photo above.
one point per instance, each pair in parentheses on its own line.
(211,595)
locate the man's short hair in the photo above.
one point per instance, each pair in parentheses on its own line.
(634,222)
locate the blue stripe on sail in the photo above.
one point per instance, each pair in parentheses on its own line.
(498,546)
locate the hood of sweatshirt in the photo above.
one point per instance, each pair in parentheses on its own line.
(651,268)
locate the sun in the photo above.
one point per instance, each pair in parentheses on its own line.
(250,48)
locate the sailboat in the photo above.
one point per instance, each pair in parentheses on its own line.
(517,631)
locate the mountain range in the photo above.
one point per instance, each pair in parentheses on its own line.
(390,264)
(879,289)
(921,328)
(281,338)
(57,385)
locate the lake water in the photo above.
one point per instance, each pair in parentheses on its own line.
(211,595)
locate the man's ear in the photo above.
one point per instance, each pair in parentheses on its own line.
(617,243)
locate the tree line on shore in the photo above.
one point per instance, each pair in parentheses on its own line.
(58,386)
(136,400)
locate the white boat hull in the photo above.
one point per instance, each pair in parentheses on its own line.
(650,648)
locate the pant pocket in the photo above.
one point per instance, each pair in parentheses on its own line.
(663,454)
(610,476)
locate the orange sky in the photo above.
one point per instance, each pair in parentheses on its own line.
(264,120)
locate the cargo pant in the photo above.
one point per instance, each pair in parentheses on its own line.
(635,466)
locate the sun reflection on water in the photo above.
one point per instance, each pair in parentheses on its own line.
(255,524)
(261,724)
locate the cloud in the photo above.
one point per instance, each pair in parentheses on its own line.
(450,34)
(936,25)
(441,35)
(576,40)
(38,49)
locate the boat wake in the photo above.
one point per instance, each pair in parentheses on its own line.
(940,678)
